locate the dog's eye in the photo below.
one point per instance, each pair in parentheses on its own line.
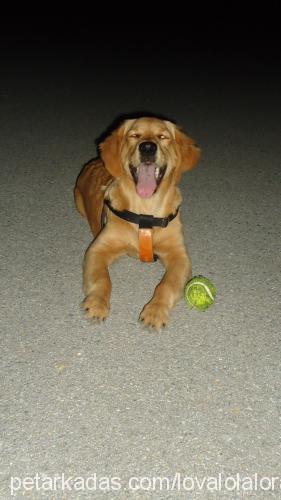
(134,135)
(162,137)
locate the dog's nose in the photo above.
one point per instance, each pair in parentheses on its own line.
(148,148)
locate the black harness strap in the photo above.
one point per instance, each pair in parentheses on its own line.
(144,221)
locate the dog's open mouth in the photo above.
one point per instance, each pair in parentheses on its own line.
(147,177)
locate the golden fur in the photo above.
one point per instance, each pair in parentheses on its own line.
(110,176)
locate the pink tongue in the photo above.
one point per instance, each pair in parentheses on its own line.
(146,180)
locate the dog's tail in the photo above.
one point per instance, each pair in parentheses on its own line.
(79,202)
(81,182)
(89,192)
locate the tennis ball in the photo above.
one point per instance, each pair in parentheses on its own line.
(200,293)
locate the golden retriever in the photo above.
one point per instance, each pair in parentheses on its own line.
(133,189)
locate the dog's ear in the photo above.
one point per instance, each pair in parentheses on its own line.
(110,150)
(189,153)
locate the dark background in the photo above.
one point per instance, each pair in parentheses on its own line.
(143,57)
(167,48)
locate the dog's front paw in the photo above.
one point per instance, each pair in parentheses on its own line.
(95,307)
(155,316)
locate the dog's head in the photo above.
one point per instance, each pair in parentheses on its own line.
(150,151)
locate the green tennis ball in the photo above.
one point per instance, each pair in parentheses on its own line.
(200,293)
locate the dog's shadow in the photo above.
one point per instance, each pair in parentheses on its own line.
(119,119)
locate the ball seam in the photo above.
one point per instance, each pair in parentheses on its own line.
(201,284)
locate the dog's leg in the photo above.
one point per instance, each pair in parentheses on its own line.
(96,281)
(169,290)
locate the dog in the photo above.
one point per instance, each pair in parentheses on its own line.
(130,198)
